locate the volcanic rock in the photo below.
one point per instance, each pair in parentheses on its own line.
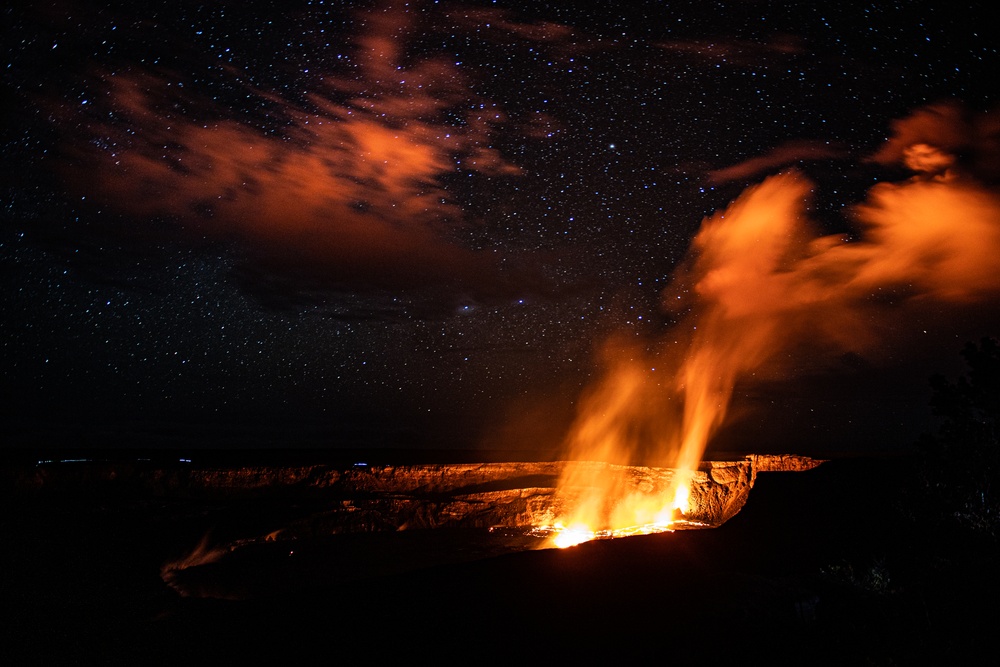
(264,529)
(365,498)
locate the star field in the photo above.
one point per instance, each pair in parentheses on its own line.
(405,217)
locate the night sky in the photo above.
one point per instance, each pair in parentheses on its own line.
(414,224)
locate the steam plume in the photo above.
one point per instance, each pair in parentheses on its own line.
(760,285)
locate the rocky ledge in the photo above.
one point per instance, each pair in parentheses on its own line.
(368,498)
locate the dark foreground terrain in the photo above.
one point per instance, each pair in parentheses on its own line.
(829,566)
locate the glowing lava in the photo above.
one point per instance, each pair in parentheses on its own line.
(648,511)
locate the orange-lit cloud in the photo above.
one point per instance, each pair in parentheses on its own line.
(787,153)
(934,137)
(735,51)
(496,24)
(345,188)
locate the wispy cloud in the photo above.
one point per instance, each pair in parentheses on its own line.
(736,52)
(788,153)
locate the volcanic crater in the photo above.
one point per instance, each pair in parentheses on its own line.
(271,529)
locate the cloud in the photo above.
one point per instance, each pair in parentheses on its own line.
(787,153)
(493,23)
(345,189)
(940,136)
(736,52)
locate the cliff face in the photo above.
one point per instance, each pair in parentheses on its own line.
(363,498)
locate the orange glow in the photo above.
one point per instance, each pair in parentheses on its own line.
(346,186)
(571,536)
(761,287)
(667,416)
(202,554)
(682,498)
